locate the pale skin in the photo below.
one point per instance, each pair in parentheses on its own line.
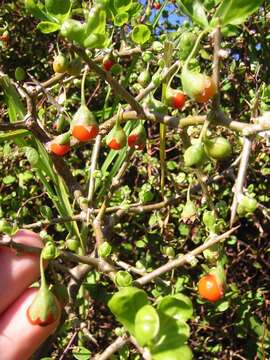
(18,338)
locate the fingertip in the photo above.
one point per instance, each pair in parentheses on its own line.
(19,339)
(27,237)
(18,270)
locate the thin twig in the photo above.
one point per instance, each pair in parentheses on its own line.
(241,177)
(143,351)
(113,348)
(183,259)
(97,223)
(72,339)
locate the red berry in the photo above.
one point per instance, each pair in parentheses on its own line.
(44,309)
(208,92)
(49,320)
(157,5)
(113,144)
(107,64)
(137,137)
(178,100)
(85,133)
(59,149)
(116,139)
(209,288)
(132,140)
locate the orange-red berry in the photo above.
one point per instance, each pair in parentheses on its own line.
(59,149)
(209,288)
(208,92)
(113,144)
(84,132)
(178,100)
(107,64)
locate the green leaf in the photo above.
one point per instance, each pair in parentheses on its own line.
(170,344)
(159,14)
(182,352)
(122,5)
(146,194)
(140,34)
(9,179)
(177,306)
(109,160)
(32,155)
(195,10)
(58,194)
(125,304)
(46,212)
(12,135)
(58,7)
(16,109)
(121,19)
(96,22)
(35,8)
(235,12)
(146,324)
(47,27)
(81,353)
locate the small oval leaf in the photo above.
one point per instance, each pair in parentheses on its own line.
(146,324)
(125,304)
(32,155)
(140,34)
(47,27)
(177,306)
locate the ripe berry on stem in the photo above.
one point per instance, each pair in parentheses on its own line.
(44,309)
(60,145)
(209,288)
(84,126)
(137,137)
(174,98)
(116,139)
(107,62)
(157,5)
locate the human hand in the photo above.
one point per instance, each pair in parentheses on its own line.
(18,337)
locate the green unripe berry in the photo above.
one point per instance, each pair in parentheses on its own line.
(194,155)
(73,244)
(218,148)
(49,252)
(123,279)
(104,250)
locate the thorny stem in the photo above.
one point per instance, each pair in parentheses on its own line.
(105,267)
(183,259)
(241,177)
(113,348)
(245,154)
